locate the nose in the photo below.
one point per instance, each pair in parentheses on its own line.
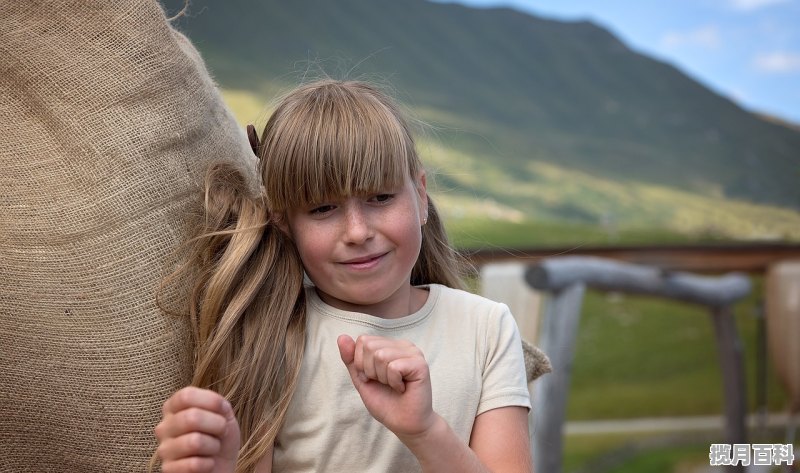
(357,226)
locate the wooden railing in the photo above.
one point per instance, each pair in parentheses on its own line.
(566,278)
(707,258)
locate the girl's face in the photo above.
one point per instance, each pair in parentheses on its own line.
(359,250)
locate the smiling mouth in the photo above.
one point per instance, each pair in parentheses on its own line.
(364,263)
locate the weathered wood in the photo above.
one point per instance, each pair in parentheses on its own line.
(705,258)
(567,278)
(560,325)
(505,282)
(556,273)
(731,354)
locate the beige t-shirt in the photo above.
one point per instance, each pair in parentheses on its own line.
(474,353)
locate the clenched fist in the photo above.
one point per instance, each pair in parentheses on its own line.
(198,433)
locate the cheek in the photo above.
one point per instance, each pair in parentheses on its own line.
(411,232)
(303,237)
(311,249)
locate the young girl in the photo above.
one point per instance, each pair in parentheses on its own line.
(382,364)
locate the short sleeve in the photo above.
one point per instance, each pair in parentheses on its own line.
(504,380)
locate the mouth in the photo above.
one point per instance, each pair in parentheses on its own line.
(364,262)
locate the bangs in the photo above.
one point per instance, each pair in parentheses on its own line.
(334,140)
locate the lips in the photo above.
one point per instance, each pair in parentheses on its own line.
(364,262)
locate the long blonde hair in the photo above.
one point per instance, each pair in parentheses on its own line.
(247,306)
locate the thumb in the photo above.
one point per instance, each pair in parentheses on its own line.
(347,351)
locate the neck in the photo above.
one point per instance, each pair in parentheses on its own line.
(401,304)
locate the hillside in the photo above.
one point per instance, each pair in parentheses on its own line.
(510,94)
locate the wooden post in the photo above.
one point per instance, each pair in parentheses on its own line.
(504,282)
(559,327)
(730,351)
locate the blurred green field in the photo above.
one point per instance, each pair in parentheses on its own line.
(640,453)
(480,234)
(648,452)
(646,357)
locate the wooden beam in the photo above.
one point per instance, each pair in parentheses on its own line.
(554,274)
(747,257)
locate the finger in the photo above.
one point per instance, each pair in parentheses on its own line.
(191,396)
(362,359)
(190,445)
(400,364)
(376,352)
(191,420)
(368,346)
(382,357)
(347,351)
(370,342)
(405,371)
(394,376)
(193,464)
(358,354)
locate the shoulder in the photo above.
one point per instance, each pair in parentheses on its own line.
(468,304)
(457,296)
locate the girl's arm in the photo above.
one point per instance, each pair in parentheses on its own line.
(500,439)
(499,443)
(393,380)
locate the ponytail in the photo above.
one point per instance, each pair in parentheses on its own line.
(247,310)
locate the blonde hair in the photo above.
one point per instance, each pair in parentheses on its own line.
(247,305)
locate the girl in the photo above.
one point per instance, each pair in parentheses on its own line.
(380,364)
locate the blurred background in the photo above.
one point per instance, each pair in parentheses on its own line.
(663,133)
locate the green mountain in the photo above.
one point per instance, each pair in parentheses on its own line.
(531,118)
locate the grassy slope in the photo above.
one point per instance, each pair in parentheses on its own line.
(512,89)
(557,205)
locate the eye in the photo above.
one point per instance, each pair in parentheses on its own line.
(382,198)
(322,209)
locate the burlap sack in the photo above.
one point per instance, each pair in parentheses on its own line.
(108,119)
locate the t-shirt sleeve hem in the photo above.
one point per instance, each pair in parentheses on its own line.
(506,399)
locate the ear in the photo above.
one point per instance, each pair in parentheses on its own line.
(421,184)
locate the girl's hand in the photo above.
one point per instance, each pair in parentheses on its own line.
(393,380)
(198,433)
